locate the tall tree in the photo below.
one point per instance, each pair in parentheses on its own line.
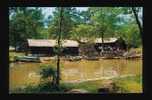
(104,20)
(59,46)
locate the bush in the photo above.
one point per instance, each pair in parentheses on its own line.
(47,71)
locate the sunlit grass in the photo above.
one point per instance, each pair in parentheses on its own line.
(90,86)
(132,84)
(12,54)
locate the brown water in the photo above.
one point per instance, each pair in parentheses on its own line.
(22,74)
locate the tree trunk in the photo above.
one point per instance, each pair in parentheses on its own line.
(58,71)
(59,49)
(137,20)
(102,37)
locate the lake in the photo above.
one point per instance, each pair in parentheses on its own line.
(22,74)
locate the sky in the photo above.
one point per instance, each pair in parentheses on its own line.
(49,10)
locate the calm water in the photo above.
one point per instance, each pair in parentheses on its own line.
(22,74)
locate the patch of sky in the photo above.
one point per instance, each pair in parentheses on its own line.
(48,12)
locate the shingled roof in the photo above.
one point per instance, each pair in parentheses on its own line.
(70,43)
(106,40)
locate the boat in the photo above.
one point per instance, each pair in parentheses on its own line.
(27,59)
(92,58)
(77,58)
(108,57)
(133,57)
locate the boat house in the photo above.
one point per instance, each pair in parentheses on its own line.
(42,47)
(98,47)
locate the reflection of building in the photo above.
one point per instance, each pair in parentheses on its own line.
(47,47)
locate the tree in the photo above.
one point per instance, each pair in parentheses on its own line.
(70,19)
(24,23)
(135,11)
(82,31)
(46,72)
(131,28)
(130,33)
(84,17)
(104,20)
(59,47)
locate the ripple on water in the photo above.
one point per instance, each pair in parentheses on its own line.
(33,75)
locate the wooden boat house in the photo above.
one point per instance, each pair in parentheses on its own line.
(41,47)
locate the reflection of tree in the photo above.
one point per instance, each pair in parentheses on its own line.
(120,67)
(98,71)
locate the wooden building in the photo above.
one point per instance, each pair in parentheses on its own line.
(110,46)
(70,47)
(41,47)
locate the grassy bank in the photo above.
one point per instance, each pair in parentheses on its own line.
(12,54)
(131,84)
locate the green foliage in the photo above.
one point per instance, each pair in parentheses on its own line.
(130,84)
(12,55)
(41,88)
(47,71)
(24,22)
(69,20)
(109,22)
(104,19)
(130,33)
(81,31)
(44,34)
(28,22)
(48,76)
